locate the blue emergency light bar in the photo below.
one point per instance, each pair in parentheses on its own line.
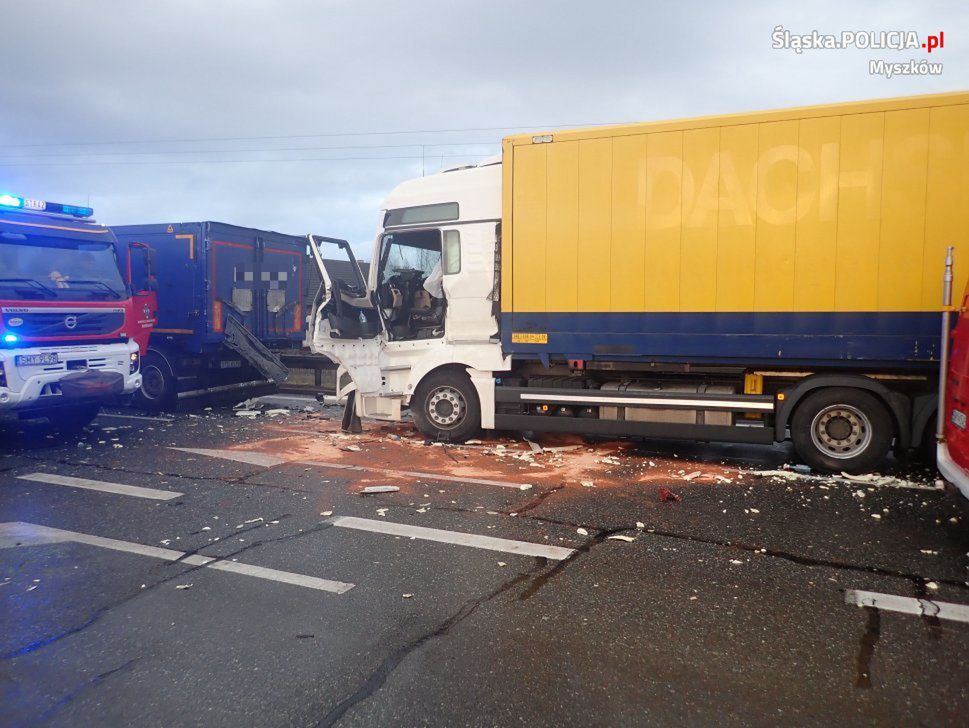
(25,203)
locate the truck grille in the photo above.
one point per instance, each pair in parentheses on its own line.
(81,323)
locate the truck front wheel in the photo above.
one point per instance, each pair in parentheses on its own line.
(445,406)
(157,390)
(842,429)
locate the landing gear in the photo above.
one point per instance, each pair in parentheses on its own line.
(445,406)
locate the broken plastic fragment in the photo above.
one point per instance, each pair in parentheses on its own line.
(668,496)
(326,513)
(183,586)
(621,537)
(582,532)
(371,489)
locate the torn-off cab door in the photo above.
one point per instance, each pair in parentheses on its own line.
(345,325)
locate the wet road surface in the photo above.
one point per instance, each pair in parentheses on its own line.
(212,569)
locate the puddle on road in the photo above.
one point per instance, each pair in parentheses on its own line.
(866,647)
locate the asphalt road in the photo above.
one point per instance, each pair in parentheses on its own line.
(252,584)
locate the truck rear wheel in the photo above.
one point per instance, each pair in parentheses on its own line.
(157,391)
(445,406)
(842,429)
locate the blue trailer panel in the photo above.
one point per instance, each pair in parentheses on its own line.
(226,294)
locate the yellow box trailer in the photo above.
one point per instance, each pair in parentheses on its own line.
(799,236)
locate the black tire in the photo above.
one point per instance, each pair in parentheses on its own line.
(842,429)
(158,384)
(445,406)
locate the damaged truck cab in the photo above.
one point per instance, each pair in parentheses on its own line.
(425,325)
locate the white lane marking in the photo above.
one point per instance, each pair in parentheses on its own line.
(269,461)
(30,534)
(240,456)
(908,605)
(525,548)
(101,485)
(136,417)
(418,474)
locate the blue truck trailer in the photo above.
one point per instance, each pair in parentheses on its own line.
(230,299)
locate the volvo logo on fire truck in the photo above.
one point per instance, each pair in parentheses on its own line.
(70,321)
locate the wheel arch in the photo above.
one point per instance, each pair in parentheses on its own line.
(898,404)
(483,382)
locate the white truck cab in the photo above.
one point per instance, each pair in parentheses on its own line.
(425,325)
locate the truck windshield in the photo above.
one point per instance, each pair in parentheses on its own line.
(416,252)
(36,267)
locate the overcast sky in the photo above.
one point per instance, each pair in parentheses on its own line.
(154,111)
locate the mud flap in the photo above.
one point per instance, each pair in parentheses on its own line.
(242,340)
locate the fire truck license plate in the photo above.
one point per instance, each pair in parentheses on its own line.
(26,360)
(959,419)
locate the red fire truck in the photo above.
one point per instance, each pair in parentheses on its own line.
(953,448)
(72,324)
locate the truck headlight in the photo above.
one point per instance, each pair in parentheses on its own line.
(135,362)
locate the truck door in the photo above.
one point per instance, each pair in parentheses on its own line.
(234,275)
(279,292)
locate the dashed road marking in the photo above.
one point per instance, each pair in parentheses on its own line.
(524,548)
(269,461)
(136,417)
(30,534)
(908,605)
(417,474)
(101,485)
(240,456)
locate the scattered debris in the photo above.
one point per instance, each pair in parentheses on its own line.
(640,524)
(621,537)
(931,586)
(780,474)
(582,532)
(407,596)
(668,496)
(373,489)
(502,563)
(588,484)
(691,476)
(326,513)
(736,562)
(183,586)
(352,448)
(251,414)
